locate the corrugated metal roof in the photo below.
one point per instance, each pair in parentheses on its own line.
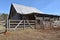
(25,9)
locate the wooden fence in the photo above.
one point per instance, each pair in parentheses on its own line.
(42,23)
(22,23)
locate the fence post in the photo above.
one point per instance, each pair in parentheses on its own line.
(35,23)
(7,23)
(24,24)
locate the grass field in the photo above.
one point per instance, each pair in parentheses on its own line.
(31,34)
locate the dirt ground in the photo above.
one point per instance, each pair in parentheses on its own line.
(31,34)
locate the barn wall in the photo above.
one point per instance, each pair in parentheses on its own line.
(17,17)
(30,16)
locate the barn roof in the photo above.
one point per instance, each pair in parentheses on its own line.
(25,9)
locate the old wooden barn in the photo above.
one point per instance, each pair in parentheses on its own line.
(24,16)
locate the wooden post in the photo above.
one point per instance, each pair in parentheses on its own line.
(40,23)
(35,23)
(58,18)
(24,24)
(7,23)
(43,23)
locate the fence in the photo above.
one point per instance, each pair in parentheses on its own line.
(38,23)
(20,23)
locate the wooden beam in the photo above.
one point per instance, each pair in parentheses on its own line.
(29,24)
(21,20)
(24,24)
(35,23)
(18,24)
(7,23)
(15,20)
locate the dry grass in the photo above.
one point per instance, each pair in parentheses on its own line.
(31,34)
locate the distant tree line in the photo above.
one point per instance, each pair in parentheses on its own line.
(3,16)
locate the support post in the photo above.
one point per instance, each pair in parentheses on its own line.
(43,23)
(24,24)
(40,23)
(7,23)
(35,23)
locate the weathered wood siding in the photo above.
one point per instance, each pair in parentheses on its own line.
(17,17)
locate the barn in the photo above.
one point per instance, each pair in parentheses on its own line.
(21,14)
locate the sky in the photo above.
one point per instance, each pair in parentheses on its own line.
(46,6)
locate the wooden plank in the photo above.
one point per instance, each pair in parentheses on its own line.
(35,24)
(21,20)
(15,20)
(22,23)
(7,23)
